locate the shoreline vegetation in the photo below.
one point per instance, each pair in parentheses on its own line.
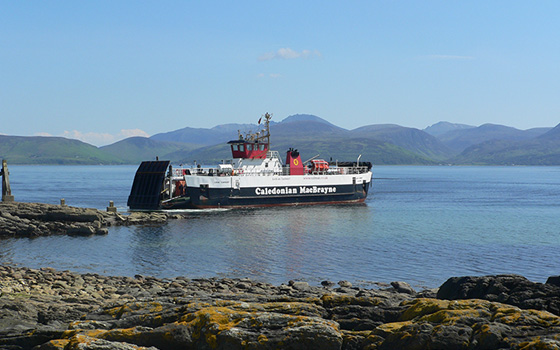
(49,309)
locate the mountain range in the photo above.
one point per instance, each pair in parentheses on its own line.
(382,144)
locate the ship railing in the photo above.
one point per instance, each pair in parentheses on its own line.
(355,169)
(179,172)
(199,171)
(255,172)
(343,170)
(274,154)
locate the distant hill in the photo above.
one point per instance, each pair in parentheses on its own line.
(305,130)
(460,139)
(342,149)
(305,118)
(443,127)
(542,150)
(312,135)
(551,134)
(198,136)
(52,150)
(381,144)
(377,152)
(414,140)
(137,149)
(227,132)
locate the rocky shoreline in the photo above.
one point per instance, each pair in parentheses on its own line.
(49,309)
(20,219)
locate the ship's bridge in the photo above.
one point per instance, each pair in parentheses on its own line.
(252,145)
(248,149)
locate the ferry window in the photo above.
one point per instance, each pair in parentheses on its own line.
(241,148)
(234,147)
(261,147)
(249,147)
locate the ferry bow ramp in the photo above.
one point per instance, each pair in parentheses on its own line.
(146,192)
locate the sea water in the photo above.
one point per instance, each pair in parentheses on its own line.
(419,224)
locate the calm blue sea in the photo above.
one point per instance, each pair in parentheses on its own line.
(420,224)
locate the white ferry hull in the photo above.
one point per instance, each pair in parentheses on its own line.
(261,191)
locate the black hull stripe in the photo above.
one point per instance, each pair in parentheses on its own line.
(270,196)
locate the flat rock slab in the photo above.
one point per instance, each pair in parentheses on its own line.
(19,219)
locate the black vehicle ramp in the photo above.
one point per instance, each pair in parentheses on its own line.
(148,185)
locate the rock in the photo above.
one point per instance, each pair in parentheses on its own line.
(510,289)
(554,280)
(301,286)
(403,287)
(345,284)
(19,219)
(102,231)
(146,312)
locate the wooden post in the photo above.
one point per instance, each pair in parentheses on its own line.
(111,208)
(6,191)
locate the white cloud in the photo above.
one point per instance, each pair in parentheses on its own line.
(289,54)
(98,139)
(267,56)
(133,132)
(448,57)
(271,75)
(93,138)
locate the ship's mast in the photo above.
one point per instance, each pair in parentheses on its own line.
(264,135)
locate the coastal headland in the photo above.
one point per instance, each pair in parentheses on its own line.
(50,309)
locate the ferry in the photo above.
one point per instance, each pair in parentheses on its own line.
(255,177)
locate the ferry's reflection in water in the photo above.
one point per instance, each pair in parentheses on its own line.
(271,244)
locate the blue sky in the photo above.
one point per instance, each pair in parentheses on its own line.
(101,71)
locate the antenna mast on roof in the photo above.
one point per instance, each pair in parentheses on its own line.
(264,135)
